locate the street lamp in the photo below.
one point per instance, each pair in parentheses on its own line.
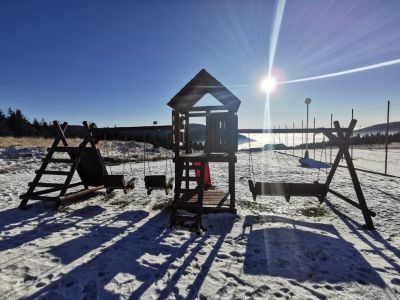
(307,102)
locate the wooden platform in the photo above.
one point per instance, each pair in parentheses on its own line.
(214,201)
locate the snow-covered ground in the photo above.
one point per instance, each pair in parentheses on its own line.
(120,246)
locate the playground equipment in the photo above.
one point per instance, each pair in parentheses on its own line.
(316,189)
(220,147)
(85,160)
(157,182)
(190,168)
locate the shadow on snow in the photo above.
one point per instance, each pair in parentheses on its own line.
(132,258)
(302,255)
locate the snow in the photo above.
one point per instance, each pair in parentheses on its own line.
(120,246)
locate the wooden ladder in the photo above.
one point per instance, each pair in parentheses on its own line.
(184,197)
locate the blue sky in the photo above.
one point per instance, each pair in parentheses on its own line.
(119,62)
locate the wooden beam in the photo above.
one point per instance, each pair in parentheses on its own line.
(348,200)
(81,193)
(353,174)
(290,130)
(102,130)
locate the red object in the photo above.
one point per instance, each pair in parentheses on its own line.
(207,174)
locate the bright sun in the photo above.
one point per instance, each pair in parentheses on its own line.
(268,84)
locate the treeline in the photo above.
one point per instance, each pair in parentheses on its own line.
(15,124)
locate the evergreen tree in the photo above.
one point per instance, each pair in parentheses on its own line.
(4,131)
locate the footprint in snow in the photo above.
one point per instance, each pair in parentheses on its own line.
(236,253)
(223,256)
(395,281)
(278,295)
(40,284)
(28,277)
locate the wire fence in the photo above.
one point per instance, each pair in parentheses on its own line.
(377,158)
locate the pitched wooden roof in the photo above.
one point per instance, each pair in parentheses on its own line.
(200,85)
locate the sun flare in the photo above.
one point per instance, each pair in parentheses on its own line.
(268,84)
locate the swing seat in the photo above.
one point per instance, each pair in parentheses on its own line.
(313,164)
(113,182)
(157,182)
(288,189)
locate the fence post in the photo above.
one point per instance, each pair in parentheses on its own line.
(302,137)
(330,152)
(293,139)
(314,138)
(285,138)
(351,138)
(387,136)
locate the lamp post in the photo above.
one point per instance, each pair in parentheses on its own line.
(307,102)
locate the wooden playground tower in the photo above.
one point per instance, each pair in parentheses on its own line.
(220,147)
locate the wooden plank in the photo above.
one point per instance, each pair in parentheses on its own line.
(60,161)
(210,108)
(289,189)
(65,149)
(290,130)
(46,184)
(348,200)
(51,190)
(44,198)
(74,195)
(212,198)
(51,172)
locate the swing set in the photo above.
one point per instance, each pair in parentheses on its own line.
(339,137)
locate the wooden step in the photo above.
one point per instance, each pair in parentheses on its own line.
(185,204)
(42,198)
(192,167)
(51,190)
(184,218)
(64,149)
(46,184)
(190,178)
(50,172)
(194,191)
(60,161)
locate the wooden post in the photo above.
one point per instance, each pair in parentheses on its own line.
(387,136)
(187,132)
(232,192)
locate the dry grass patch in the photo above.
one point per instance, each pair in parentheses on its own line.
(28,142)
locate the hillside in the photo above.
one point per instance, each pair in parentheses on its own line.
(394,127)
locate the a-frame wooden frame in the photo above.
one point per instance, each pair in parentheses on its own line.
(85,153)
(342,142)
(320,190)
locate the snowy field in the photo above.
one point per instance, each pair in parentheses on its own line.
(120,247)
